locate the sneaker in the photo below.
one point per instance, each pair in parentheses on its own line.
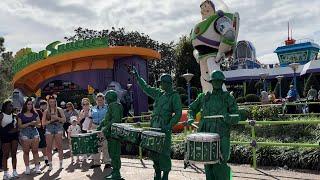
(15,174)
(38,171)
(27,172)
(50,167)
(7,176)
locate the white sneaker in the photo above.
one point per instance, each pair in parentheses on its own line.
(7,176)
(50,167)
(37,170)
(15,174)
(27,172)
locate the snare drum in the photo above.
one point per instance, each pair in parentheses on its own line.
(117,130)
(132,135)
(153,141)
(87,143)
(202,148)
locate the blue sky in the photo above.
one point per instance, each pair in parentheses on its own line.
(36,23)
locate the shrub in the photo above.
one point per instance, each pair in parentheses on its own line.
(252,98)
(241,100)
(263,112)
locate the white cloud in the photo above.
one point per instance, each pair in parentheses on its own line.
(271,58)
(35,23)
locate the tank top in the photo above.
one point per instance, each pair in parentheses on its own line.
(7,119)
(25,119)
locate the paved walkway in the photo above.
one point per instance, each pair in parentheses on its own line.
(134,169)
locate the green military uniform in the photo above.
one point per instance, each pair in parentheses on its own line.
(218,102)
(166,103)
(113,115)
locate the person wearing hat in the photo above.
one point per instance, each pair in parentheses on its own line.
(167,111)
(63,105)
(113,115)
(73,129)
(217,102)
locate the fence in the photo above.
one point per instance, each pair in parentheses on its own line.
(254,144)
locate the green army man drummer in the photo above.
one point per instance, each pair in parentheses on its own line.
(166,113)
(113,115)
(217,102)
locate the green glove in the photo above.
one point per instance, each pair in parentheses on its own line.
(134,71)
(167,128)
(190,121)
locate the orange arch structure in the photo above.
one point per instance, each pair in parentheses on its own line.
(30,78)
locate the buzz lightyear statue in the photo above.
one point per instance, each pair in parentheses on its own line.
(213,40)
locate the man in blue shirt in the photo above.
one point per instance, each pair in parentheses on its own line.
(292,94)
(98,113)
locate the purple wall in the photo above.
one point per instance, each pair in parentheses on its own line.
(121,75)
(98,79)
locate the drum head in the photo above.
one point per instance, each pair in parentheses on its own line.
(153,133)
(203,137)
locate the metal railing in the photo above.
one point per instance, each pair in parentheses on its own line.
(254,144)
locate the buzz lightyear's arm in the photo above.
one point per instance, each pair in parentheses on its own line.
(223,26)
(150,91)
(177,108)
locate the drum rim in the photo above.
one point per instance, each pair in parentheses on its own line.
(203,162)
(191,137)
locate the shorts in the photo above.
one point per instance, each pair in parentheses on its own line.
(29,133)
(55,128)
(42,132)
(9,137)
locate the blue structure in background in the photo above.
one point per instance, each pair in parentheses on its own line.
(301,52)
(245,56)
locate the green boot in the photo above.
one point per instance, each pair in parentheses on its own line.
(115,175)
(165,175)
(157,175)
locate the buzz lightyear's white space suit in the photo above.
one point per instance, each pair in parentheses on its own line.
(212,39)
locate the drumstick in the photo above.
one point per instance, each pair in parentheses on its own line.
(220,116)
(136,117)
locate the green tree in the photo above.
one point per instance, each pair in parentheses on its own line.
(6,73)
(186,62)
(121,37)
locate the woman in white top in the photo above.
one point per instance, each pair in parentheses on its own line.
(9,137)
(85,118)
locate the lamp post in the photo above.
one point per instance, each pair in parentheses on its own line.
(188,77)
(264,77)
(279,81)
(294,67)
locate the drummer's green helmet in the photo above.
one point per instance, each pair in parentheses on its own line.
(166,78)
(111,96)
(217,75)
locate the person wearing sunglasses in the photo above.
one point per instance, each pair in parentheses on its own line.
(85,116)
